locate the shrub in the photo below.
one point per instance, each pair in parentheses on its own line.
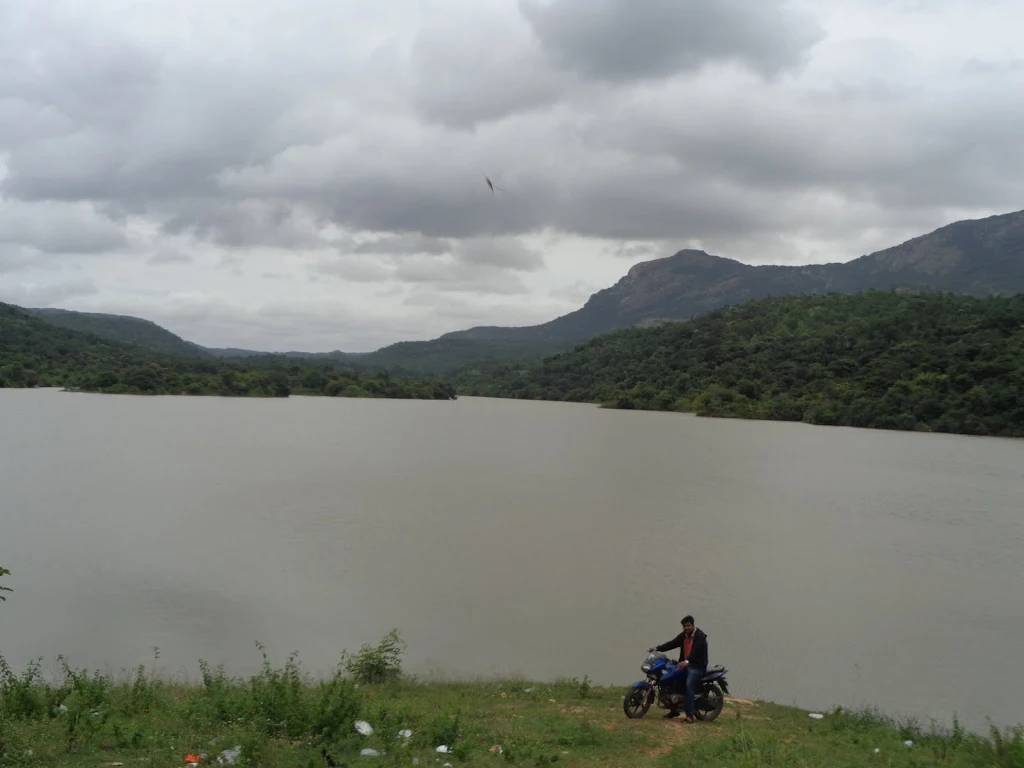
(381,663)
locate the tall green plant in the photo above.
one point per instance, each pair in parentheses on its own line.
(377,664)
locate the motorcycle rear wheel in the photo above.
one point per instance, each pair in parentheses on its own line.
(637,701)
(709,706)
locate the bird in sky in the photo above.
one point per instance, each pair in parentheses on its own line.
(492,186)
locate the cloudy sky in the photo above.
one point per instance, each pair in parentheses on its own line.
(308,174)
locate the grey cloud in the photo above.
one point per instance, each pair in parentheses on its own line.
(977,66)
(246,224)
(506,253)
(462,79)
(461,277)
(578,291)
(58,228)
(474,264)
(68,63)
(128,121)
(632,250)
(705,159)
(462,312)
(803,142)
(231,263)
(15,258)
(166,256)
(48,294)
(402,244)
(620,40)
(355,271)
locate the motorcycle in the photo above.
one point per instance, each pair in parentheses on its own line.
(669,690)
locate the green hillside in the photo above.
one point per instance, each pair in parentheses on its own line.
(885,360)
(36,353)
(122,328)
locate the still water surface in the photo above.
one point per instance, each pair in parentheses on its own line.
(828,566)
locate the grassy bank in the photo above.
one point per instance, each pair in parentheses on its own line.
(280,717)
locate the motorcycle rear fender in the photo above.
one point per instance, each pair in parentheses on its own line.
(718,680)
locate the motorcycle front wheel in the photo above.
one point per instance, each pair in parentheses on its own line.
(709,706)
(637,701)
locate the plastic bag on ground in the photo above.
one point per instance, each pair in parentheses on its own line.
(230,756)
(364,727)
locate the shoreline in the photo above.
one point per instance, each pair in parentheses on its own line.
(606,406)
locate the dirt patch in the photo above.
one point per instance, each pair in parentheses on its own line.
(672,734)
(665,733)
(744,702)
(737,715)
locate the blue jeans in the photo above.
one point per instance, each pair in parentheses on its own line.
(689,677)
(693,676)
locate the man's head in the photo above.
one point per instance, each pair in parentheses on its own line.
(688,625)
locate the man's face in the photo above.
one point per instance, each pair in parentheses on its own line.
(688,628)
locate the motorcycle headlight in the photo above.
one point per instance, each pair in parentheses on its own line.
(645,667)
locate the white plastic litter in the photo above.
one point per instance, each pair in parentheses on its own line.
(908,743)
(443,749)
(527,690)
(230,756)
(364,727)
(370,753)
(406,734)
(415,761)
(63,709)
(877,750)
(816,716)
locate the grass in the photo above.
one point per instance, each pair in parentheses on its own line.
(280,717)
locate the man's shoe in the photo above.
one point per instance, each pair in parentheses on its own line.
(671,714)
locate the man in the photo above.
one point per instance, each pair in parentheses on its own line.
(693,661)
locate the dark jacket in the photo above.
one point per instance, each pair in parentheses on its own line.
(698,653)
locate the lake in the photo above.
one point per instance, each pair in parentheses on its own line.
(828,566)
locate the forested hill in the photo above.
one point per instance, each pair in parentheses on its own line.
(878,359)
(34,353)
(122,328)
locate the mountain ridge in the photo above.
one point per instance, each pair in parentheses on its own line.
(974,257)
